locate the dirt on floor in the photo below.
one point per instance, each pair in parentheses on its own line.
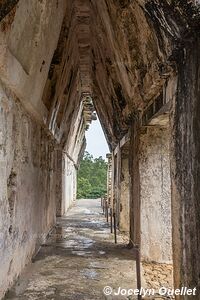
(79,260)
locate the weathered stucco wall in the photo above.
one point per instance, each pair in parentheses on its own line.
(71,156)
(124,194)
(43,122)
(28,39)
(28,190)
(69,181)
(155,193)
(135,235)
(55,54)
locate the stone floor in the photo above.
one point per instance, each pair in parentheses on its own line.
(79,259)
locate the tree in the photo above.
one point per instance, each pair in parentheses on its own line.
(92,177)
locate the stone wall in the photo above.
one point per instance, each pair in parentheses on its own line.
(124,194)
(185,154)
(69,182)
(156,236)
(29,181)
(28,39)
(53,54)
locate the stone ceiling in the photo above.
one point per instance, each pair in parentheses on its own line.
(121,53)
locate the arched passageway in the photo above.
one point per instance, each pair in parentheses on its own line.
(136,63)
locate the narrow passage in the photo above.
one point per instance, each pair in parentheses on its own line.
(78,260)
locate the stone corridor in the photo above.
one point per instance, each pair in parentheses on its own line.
(134,65)
(78,260)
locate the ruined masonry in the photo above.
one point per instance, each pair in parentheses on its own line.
(136,63)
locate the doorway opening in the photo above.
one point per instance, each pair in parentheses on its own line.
(92,172)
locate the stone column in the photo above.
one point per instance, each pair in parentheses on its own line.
(134,185)
(186,170)
(156,238)
(124,222)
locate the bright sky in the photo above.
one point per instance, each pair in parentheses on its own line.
(96,142)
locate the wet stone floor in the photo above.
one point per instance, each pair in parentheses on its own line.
(79,259)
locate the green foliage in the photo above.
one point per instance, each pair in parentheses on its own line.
(92,177)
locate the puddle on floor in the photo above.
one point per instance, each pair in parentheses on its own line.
(89,273)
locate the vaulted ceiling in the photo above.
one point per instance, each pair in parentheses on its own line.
(120,52)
